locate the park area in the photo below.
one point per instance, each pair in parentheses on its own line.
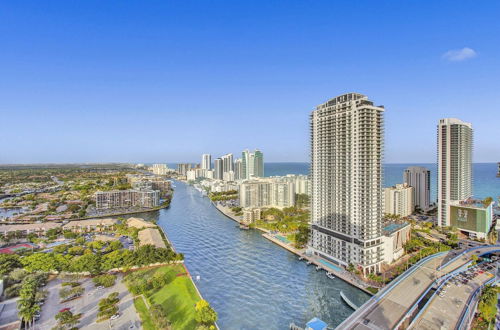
(167,298)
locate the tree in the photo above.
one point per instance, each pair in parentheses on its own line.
(205,314)
(106,280)
(67,319)
(160,317)
(87,263)
(107,306)
(9,262)
(76,250)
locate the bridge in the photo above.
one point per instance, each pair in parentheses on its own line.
(400,304)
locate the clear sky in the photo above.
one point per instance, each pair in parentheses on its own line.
(165,81)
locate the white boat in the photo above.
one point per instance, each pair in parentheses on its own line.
(318,268)
(330,275)
(309,262)
(301,258)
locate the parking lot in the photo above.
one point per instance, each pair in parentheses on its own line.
(87,304)
(446,307)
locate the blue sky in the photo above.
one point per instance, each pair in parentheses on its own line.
(150,81)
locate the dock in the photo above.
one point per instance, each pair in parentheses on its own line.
(348,301)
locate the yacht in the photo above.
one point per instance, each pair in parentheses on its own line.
(330,275)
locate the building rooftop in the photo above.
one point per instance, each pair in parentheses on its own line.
(91,222)
(30,227)
(471,203)
(391,227)
(139,223)
(151,236)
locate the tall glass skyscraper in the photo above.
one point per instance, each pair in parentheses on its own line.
(347,135)
(252,164)
(454,146)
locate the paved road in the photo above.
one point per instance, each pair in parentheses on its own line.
(88,305)
(8,311)
(386,309)
(444,313)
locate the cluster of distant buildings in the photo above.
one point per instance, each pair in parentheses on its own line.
(146,192)
(245,176)
(348,202)
(226,168)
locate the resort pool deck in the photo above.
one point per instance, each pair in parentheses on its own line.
(330,265)
(283,239)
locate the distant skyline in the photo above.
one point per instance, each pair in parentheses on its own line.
(166,81)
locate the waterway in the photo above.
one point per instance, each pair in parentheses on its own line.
(251,282)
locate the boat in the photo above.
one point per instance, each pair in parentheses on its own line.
(330,275)
(318,268)
(243,226)
(309,262)
(301,258)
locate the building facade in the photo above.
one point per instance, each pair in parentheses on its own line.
(399,200)
(420,179)
(347,134)
(267,193)
(206,161)
(473,217)
(127,198)
(183,168)
(218,169)
(252,164)
(454,147)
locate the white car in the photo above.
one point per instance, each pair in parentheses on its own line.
(114,317)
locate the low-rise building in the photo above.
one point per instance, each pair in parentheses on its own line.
(151,236)
(395,236)
(251,215)
(139,223)
(37,228)
(83,226)
(472,217)
(399,200)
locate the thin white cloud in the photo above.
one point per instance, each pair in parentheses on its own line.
(458,55)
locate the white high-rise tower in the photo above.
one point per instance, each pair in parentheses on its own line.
(454,165)
(206,161)
(347,135)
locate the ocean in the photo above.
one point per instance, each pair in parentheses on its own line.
(485,182)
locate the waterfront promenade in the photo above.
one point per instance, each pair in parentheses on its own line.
(316,261)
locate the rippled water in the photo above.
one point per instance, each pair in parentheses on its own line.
(251,282)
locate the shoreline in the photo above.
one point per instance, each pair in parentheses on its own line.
(314,261)
(88,218)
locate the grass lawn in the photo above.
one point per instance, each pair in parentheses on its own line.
(142,309)
(178,298)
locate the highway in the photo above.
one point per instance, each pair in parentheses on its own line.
(394,305)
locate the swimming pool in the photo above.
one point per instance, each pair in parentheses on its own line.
(282,238)
(329,264)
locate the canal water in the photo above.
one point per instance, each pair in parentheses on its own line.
(251,282)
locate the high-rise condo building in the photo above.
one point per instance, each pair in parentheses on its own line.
(206,161)
(347,136)
(252,164)
(238,169)
(399,200)
(420,179)
(183,168)
(227,163)
(454,146)
(218,169)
